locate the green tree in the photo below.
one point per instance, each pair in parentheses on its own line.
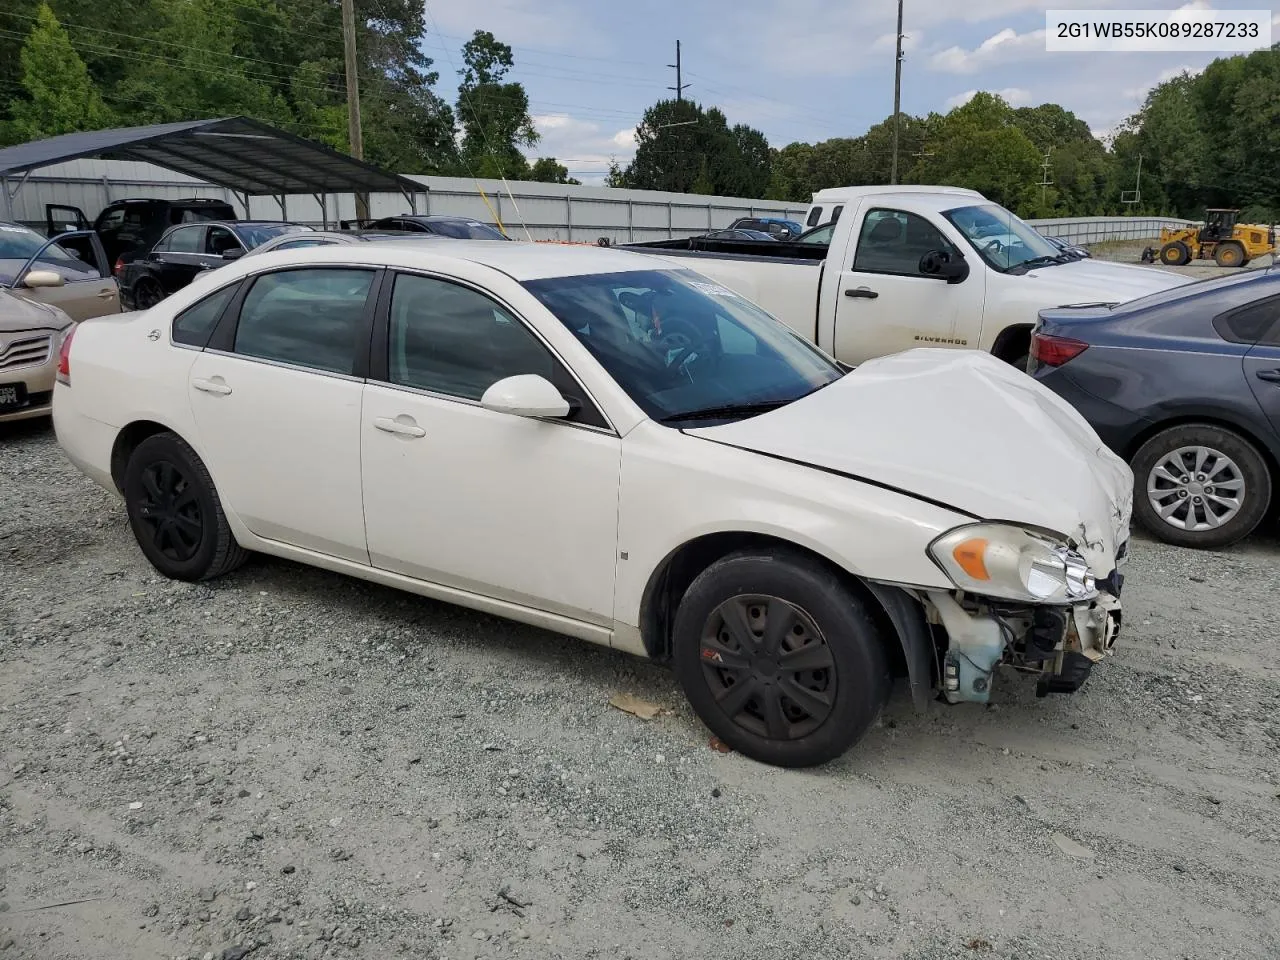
(978,146)
(683,148)
(494,114)
(59,95)
(547,170)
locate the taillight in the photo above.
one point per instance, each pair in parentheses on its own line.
(119,267)
(1055,351)
(64,359)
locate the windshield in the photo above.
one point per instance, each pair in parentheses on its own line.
(1000,238)
(19,244)
(682,346)
(255,234)
(466,230)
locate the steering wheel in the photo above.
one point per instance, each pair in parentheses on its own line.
(682,357)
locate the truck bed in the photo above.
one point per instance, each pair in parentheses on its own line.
(744,249)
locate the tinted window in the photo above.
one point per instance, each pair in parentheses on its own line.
(255,234)
(815,215)
(1252,324)
(112,219)
(296,244)
(679,344)
(194,325)
(818,234)
(465,230)
(452,340)
(186,240)
(835,214)
(221,240)
(893,241)
(312,318)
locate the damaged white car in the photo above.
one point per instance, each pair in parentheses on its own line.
(606,446)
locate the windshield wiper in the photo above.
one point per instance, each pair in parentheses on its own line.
(726,411)
(1026,265)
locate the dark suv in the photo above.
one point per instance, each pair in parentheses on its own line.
(127,227)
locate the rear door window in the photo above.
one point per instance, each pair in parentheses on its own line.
(186,240)
(309,318)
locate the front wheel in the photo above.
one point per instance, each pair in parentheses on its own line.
(175,513)
(1175,254)
(1198,485)
(779,658)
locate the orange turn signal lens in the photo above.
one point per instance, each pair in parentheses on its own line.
(970,556)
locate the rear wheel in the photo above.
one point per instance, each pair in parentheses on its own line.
(1175,254)
(1230,254)
(146,294)
(175,513)
(1199,485)
(779,658)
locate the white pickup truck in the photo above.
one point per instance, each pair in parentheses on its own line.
(909,266)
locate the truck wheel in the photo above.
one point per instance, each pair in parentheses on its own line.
(1198,485)
(1229,254)
(1175,254)
(175,512)
(779,658)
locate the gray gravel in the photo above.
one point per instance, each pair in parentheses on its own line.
(289,764)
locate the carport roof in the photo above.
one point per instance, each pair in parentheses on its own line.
(238,153)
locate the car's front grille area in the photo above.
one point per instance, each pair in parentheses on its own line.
(25,351)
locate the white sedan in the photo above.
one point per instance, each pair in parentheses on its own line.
(607,446)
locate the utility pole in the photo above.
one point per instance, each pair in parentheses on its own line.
(679,87)
(353,97)
(1045,182)
(897,99)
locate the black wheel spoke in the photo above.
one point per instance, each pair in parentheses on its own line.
(735,621)
(168,478)
(816,704)
(188,496)
(782,617)
(186,531)
(814,655)
(152,488)
(733,699)
(775,721)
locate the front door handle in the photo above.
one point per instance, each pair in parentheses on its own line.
(215,386)
(106,294)
(865,293)
(1271,376)
(399,427)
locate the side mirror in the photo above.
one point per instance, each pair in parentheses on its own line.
(232,253)
(526,395)
(43,278)
(944,265)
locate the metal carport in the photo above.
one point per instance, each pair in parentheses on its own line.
(244,155)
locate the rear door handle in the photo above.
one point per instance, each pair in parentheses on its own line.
(1271,376)
(866,293)
(399,427)
(215,386)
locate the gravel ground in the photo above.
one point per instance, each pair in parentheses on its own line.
(289,764)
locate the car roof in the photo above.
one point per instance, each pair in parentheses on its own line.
(518,259)
(846,194)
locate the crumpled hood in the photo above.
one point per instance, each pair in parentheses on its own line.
(1090,281)
(963,429)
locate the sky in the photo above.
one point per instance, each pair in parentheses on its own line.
(803,70)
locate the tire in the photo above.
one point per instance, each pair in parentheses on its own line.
(836,697)
(1244,469)
(1229,254)
(146,294)
(175,512)
(1175,254)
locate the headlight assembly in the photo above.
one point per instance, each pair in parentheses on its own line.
(1009,563)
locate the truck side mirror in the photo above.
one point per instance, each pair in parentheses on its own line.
(944,265)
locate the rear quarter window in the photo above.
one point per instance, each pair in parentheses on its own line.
(1252,323)
(194,325)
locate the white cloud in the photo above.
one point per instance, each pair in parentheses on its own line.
(1014,96)
(583,146)
(1140,92)
(1007,46)
(545,24)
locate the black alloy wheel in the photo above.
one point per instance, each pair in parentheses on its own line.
(770,670)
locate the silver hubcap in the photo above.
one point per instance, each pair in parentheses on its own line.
(1196,488)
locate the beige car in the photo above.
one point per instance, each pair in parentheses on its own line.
(69,272)
(31,336)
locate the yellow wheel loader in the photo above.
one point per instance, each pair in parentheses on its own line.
(1221,239)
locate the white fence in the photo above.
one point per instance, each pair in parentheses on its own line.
(543,211)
